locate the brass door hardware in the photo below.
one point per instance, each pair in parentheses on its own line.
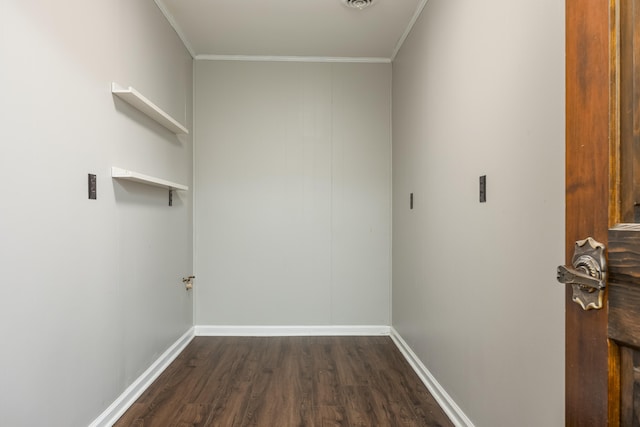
(587,275)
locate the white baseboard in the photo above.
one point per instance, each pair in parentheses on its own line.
(131,394)
(283,331)
(453,411)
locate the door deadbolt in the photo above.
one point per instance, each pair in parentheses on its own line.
(587,276)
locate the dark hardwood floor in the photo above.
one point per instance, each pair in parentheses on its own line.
(287,381)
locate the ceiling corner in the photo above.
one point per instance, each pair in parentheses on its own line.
(415,17)
(165,11)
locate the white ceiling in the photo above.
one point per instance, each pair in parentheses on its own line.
(292,29)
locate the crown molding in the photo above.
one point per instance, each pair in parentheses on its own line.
(409,28)
(257,58)
(176,27)
(165,11)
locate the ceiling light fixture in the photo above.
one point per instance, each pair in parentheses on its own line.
(358,4)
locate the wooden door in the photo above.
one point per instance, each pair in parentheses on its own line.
(603,201)
(588,122)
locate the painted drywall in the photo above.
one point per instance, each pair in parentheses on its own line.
(91,292)
(293,193)
(478,89)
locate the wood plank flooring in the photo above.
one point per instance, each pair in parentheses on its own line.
(287,381)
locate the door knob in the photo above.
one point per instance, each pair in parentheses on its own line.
(587,275)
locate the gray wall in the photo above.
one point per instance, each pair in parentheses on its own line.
(91,292)
(293,199)
(478,88)
(293,173)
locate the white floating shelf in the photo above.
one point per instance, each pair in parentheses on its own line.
(120,173)
(139,101)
